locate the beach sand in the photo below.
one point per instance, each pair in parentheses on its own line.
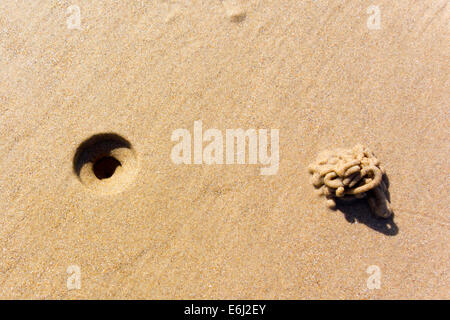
(322,72)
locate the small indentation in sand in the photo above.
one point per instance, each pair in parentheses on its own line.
(105,167)
(105,163)
(234,10)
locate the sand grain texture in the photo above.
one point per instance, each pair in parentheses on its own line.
(312,69)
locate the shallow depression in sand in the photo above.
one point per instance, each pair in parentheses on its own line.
(105,163)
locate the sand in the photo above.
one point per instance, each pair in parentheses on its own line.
(327,74)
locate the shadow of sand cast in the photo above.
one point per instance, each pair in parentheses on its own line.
(359,211)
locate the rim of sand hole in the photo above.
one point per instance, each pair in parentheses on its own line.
(106,163)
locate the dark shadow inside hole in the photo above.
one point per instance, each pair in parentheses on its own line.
(97,147)
(105,167)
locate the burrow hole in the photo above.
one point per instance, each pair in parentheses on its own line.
(105,167)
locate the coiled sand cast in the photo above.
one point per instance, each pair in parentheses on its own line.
(352,174)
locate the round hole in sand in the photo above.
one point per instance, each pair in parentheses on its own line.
(105,163)
(105,167)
